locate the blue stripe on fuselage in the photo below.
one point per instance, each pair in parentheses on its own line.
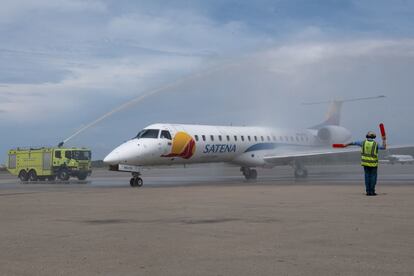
(261,146)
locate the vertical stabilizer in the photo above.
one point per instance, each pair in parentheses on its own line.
(333,117)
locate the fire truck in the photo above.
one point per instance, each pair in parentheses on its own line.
(49,163)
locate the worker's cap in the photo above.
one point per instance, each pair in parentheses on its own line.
(371,135)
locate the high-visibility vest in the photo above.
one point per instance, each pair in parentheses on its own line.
(369,154)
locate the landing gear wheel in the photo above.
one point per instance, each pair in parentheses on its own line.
(139,182)
(63,175)
(301,173)
(136,182)
(249,174)
(23,176)
(32,175)
(253,174)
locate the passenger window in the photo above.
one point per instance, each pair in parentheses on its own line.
(212,138)
(261,138)
(291,138)
(220,138)
(165,134)
(58,154)
(196,137)
(242,138)
(235,138)
(204,137)
(268,138)
(249,138)
(255,138)
(228,137)
(274,138)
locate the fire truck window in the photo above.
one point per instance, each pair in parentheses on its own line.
(58,154)
(68,154)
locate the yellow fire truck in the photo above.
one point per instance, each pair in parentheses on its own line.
(49,163)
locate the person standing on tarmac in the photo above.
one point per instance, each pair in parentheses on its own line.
(369,160)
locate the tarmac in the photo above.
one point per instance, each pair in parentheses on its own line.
(209,221)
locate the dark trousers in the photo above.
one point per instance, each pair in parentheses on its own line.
(370,179)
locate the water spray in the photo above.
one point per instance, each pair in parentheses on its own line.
(143,96)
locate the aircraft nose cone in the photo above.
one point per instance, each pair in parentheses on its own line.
(113,158)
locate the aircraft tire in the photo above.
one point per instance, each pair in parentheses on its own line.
(136,182)
(301,173)
(253,174)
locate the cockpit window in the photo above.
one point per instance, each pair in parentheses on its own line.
(148,133)
(165,134)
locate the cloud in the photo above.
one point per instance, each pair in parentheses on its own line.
(283,70)
(182,31)
(14,10)
(75,60)
(109,79)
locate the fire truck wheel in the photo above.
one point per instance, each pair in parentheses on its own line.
(23,176)
(63,175)
(82,176)
(32,175)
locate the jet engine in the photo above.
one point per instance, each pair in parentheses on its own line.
(334,135)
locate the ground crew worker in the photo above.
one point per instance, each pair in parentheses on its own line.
(369,160)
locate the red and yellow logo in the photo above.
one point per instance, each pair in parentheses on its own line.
(183,145)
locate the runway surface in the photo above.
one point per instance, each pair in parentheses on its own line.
(209,221)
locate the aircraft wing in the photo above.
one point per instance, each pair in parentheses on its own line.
(308,156)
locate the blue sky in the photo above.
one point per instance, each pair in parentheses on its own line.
(65,63)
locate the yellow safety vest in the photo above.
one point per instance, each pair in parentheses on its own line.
(369,154)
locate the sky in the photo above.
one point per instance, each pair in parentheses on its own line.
(65,63)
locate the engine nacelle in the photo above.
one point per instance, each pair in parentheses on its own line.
(334,135)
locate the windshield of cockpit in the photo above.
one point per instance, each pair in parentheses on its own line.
(148,133)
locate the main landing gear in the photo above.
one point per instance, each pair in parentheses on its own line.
(300,170)
(249,174)
(136,180)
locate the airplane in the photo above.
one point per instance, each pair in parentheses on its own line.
(250,147)
(398,159)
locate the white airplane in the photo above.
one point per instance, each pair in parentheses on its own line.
(399,159)
(248,147)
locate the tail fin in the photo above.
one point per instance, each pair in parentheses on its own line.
(333,117)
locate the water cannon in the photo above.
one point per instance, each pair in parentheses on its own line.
(61,144)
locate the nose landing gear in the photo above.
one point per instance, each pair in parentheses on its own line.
(136,180)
